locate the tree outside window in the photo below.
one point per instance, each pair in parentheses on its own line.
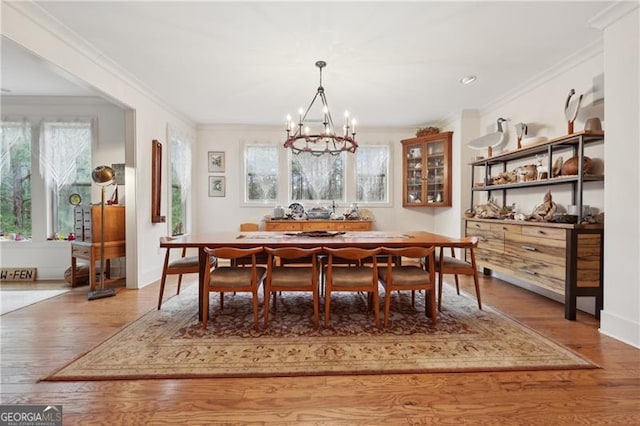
(65,164)
(372,171)
(180,155)
(261,172)
(317,178)
(15,178)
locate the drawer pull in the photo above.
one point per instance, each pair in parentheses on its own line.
(477,225)
(483,258)
(483,239)
(540,231)
(530,248)
(528,271)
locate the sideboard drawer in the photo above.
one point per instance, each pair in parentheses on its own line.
(545,232)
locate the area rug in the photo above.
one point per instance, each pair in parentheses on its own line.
(12,300)
(171,343)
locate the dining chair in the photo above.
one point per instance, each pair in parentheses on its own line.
(223,279)
(351,278)
(410,276)
(291,276)
(261,258)
(178,266)
(452,265)
(249,227)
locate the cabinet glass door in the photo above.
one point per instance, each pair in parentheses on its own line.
(414,177)
(435,172)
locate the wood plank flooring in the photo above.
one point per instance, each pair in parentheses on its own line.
(43,337)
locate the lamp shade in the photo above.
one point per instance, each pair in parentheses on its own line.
(103,175)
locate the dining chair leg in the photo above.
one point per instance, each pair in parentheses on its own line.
(455,277)
(255,309)
(327,306)
(376,308)
(430,305)
(162,282)
(179,283)
(477,285)
(205,309)
(440,291)
(316,308)
(387,305)
(266,309)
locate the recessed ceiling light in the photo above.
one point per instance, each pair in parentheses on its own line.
(468,79)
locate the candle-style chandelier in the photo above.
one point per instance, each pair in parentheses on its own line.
(322,139)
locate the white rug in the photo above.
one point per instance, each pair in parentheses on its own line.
(11,300)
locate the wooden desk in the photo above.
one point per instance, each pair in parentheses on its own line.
(91,252)
(369,239)
(318,225)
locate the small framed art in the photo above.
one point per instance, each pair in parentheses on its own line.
(216,161)
(216,186)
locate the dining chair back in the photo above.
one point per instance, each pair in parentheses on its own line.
(359,278)
(284,274)
(416,272)
(223,279)
(452,265)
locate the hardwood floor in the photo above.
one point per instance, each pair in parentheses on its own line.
(43,337)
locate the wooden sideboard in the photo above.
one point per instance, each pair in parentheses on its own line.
(564,259)
(318,225)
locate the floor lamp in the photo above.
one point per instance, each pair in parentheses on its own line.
(102,176)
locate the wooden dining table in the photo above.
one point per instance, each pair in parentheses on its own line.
(360,239)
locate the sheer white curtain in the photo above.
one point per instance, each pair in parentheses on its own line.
(180,145)
(372,170)
(11,133)
(62,144)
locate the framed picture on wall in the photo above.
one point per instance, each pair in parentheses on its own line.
(216,161)
(216,186)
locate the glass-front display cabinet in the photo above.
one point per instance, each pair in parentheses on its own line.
(426,171)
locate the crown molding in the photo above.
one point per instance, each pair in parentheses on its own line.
(612,14)
(586,53)
(56,29)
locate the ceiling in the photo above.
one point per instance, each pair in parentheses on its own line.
(389,63)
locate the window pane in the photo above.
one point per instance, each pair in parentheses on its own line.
(180,181)
(65,163)
(261,168)
(372,171)
(319,178)
(15,178)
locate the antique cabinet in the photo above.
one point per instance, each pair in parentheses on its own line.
(426,171)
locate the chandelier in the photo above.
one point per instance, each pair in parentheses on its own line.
(322,139)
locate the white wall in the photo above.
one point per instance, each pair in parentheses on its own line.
(541,106)
(28,26)
(226,213)
(621,313)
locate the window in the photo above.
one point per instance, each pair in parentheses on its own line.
(180,156)
(65,164)
(261,172)
(15,178)
(372,174)
(318,178)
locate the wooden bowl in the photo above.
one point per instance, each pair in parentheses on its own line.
(570,167)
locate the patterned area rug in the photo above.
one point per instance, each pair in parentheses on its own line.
(172,344)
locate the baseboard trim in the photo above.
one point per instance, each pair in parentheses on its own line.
(620,328)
